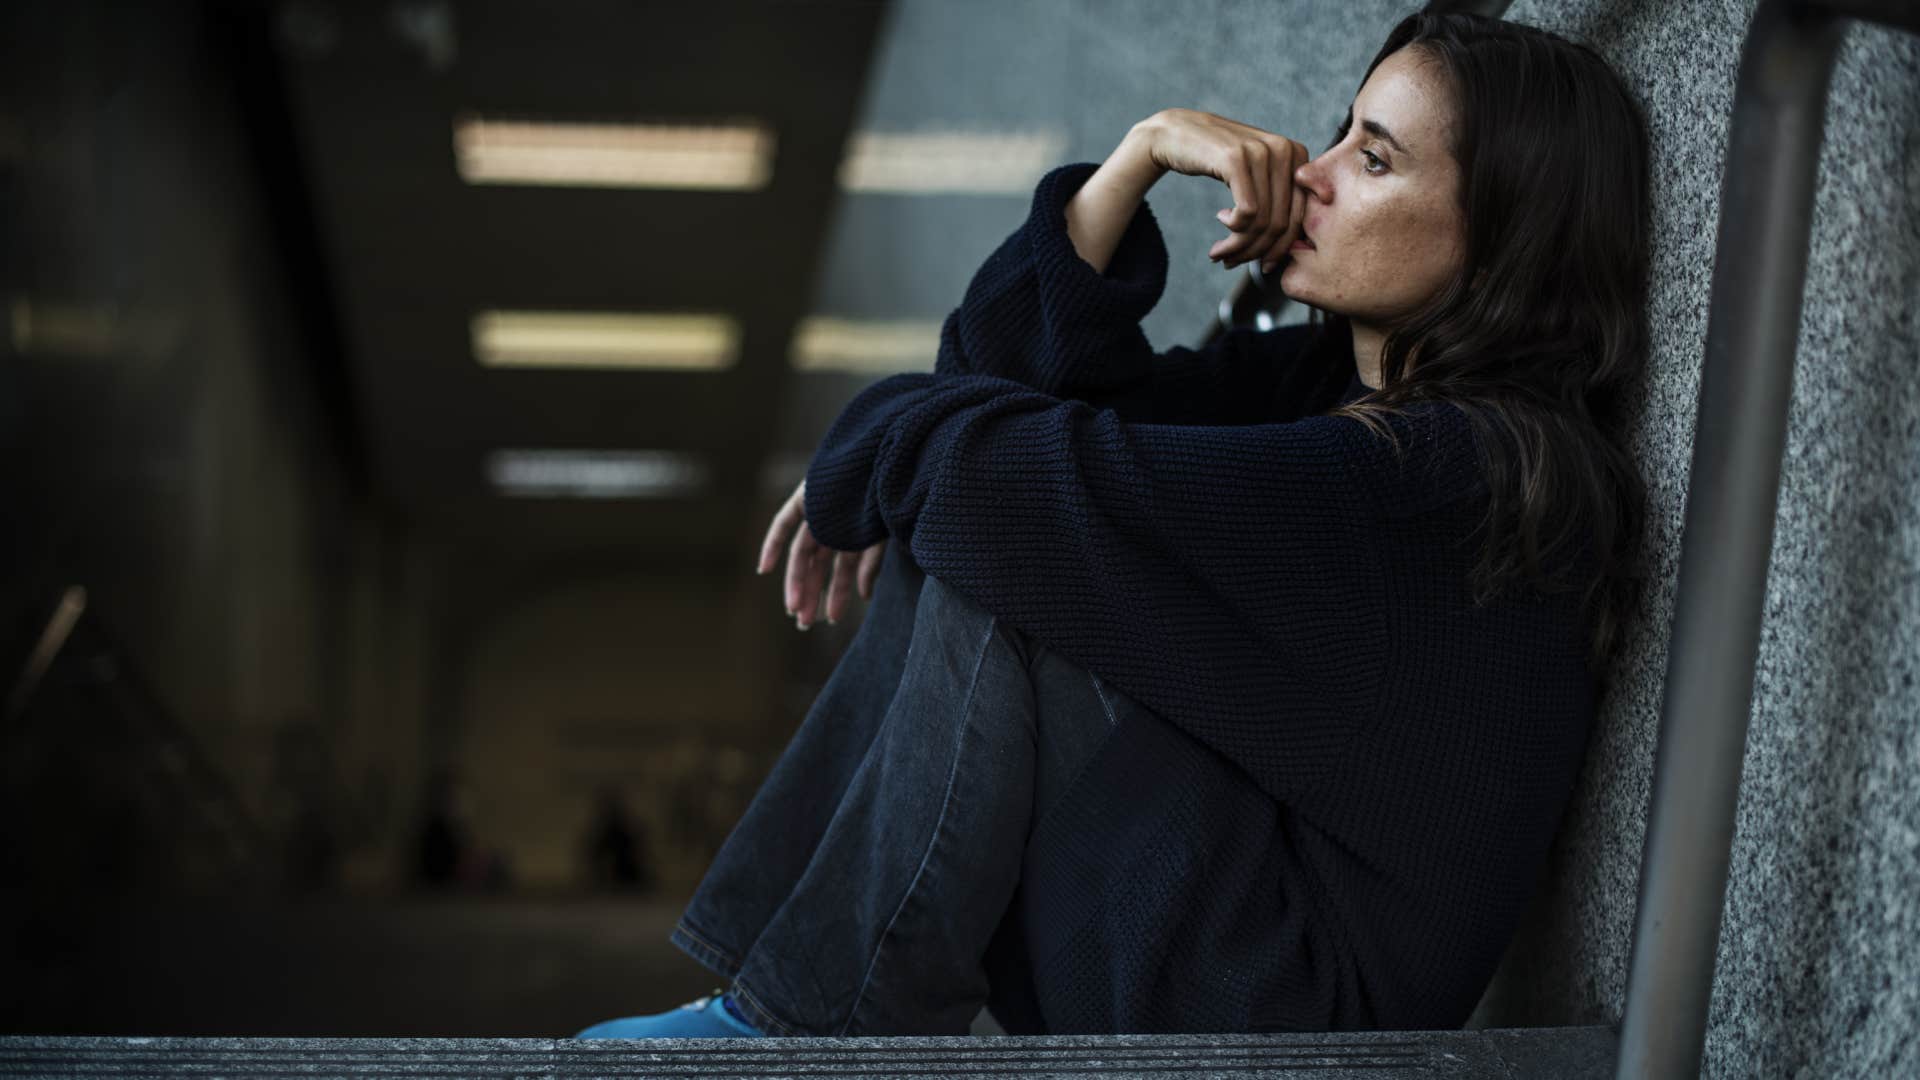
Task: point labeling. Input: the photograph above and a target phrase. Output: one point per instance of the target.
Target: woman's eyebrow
(1376, 128)
(1372, 127)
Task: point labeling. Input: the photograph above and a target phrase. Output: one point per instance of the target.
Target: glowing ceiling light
(824, 343)
(949, 162)
(736, 156)
(65, 329)
(53, 328)
(592, 339)
(594, 474)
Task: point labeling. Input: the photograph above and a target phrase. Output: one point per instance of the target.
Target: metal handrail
(53, 638)
(75, 633)
(1255, 299)
(1759, 275)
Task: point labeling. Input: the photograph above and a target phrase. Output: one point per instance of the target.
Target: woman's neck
(1367, 343)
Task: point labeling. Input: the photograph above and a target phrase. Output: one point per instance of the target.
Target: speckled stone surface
(1544, 1054)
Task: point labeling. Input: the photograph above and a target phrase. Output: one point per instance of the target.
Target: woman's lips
(1302, 244)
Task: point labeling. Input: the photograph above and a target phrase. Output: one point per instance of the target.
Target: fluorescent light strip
(587, 339)
(594, 474)
(735, 157)
(824, 343)
(92, 330)
(949, 162)
(50, 328)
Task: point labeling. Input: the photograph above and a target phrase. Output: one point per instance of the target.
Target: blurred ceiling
(414, 252)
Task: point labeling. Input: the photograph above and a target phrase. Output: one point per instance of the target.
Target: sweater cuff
(841, 510)
(1135, 277)
(838, 509)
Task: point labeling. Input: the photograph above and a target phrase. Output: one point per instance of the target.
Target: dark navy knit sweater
(1346, 790)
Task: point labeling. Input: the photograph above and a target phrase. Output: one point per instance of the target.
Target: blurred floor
(453, 966)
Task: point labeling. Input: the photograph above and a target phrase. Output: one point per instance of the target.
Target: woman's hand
(808, 561)
(1268, 210)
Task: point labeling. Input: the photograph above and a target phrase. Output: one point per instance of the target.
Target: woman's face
(1382, 212)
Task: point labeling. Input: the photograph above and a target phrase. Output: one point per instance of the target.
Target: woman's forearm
(1098, 213)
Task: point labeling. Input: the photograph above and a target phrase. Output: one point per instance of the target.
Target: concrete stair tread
(1569, 1053)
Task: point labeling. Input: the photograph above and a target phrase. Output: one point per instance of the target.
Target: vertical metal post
(1759, 273)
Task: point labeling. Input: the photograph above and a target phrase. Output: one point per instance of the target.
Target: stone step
(1571, 1053)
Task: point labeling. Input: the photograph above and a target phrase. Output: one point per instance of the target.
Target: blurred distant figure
(445, 839)
(616, 846)
(446, 853)
(306, 782)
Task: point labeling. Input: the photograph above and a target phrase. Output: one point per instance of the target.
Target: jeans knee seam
(1112, 720)
(946, 800)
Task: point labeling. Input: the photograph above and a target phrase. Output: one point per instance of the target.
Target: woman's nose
(1308, 176)
(1308, 173)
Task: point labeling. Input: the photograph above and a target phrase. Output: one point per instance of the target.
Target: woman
(1238, 689)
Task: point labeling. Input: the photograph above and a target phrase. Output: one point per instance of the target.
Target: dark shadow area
(288, 743)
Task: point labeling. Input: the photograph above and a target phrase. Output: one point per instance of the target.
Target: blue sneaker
(710, 1017)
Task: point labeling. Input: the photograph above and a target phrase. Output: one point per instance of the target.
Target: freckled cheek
(1378, 272)
(1398, 251)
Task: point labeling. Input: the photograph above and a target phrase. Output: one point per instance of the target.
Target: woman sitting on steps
(1237, 689)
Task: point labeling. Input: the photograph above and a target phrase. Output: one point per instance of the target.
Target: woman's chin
(1293, 284)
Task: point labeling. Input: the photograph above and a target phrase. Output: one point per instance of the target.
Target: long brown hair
(1540, 338)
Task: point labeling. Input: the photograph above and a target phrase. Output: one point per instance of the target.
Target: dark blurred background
(381, 649)
(393, 397)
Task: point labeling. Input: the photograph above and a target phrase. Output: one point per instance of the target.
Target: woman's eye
(1372, 160)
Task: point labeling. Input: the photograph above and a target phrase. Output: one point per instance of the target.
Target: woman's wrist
(1132, 161)
(1099, 213)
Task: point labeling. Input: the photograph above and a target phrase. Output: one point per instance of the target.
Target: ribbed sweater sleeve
(1037, 313)
(1168, 521)
(1220, 574)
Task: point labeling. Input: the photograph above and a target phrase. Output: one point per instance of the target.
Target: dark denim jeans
(868, 889)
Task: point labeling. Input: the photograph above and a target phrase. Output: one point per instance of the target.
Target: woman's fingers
(870, 568)
(1256, 166)
(806, 589)
(1256, 233)
(1268, 174)
(1297, 223)
(790, 514)
(1286, 195)
(1287, 210)
(840, 591)
(805, 569)
(1246, 207)
(1256, 154)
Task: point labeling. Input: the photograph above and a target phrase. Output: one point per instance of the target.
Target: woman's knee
(952, 612)
(945, 597)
